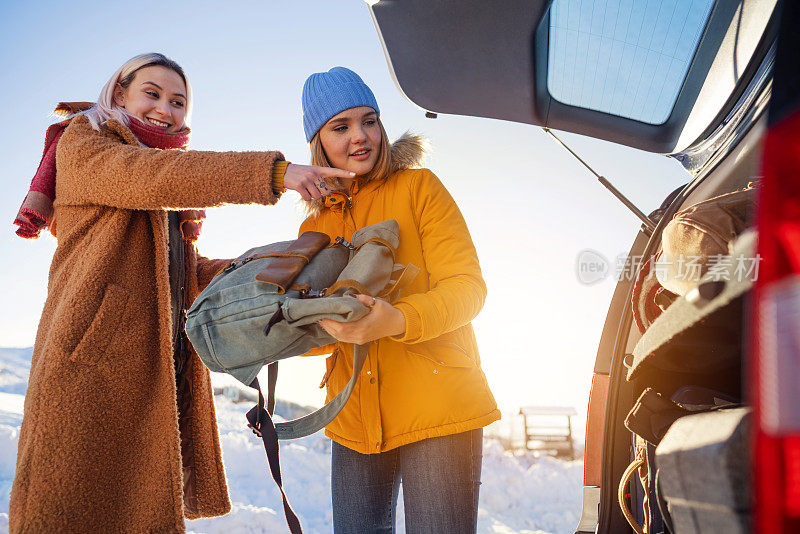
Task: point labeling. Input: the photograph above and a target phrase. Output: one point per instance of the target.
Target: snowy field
(520, 494)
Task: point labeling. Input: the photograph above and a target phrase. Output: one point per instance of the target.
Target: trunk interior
(707, 355)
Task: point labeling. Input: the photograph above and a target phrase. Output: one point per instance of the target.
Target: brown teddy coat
(100, 448)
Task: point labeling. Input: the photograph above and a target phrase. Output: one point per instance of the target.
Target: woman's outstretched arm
(95, 168)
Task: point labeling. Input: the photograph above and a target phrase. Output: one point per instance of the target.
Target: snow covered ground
(520, 494)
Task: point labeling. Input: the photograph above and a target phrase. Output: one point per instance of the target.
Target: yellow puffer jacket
(428, 382)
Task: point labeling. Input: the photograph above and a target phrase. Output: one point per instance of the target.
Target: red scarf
(36, 212)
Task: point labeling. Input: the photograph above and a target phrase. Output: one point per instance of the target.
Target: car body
(504, 61)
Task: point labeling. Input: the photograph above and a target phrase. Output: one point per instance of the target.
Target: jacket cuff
(413, 324)
(278, 171)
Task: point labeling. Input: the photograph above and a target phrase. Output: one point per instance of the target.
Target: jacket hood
(407, 151)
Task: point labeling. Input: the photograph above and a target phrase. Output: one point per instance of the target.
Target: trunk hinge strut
(648, 223)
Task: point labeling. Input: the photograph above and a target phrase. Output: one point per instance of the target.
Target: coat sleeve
(95, 168)
(457, 290)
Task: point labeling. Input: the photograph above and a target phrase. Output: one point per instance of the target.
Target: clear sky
(530, 206)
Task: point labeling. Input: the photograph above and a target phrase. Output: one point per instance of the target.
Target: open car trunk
(509, 61)
(572, 66)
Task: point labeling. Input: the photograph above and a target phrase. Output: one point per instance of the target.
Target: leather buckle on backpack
(344, 242)
(308, 293)
(235, 264)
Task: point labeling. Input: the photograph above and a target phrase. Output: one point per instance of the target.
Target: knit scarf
(36, 212)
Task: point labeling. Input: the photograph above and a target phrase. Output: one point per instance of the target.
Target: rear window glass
(624, 57)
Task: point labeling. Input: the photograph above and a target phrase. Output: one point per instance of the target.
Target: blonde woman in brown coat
(119, 432)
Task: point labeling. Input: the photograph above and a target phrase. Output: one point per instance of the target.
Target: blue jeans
(441, 480)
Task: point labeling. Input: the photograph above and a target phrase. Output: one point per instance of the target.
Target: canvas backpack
(264, 307)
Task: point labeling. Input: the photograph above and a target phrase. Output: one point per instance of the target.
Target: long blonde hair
(105, 108)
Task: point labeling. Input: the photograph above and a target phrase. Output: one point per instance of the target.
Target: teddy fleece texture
(428, 382)
(102, 446)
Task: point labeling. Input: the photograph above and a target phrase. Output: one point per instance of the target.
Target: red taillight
(595, 419)
(791, 456)
(775, 358)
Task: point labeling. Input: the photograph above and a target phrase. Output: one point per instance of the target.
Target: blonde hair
(105, 108)
(381, 170)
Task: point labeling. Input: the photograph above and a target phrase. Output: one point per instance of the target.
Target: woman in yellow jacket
(418, 410)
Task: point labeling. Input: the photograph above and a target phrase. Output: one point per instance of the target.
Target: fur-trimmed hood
(407, 151)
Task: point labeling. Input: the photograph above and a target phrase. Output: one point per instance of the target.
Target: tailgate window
(623, 57)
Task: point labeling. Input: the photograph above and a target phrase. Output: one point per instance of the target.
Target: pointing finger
(329, 172)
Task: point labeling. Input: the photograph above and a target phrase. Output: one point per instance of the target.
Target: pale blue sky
(530, 206)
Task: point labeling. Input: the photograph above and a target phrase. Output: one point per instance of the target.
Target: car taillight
(774, 365)
(776, 370)
(792, 458)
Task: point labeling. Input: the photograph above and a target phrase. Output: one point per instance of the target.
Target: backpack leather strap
(288, 264)
(348, 284)
(395, 291)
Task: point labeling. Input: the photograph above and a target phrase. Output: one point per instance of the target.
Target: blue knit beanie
(326, 94)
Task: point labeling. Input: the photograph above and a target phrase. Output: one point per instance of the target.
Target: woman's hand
(383, 320)
(312, 181)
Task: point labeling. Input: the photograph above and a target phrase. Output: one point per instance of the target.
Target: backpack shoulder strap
(260, 421)
(307, 425)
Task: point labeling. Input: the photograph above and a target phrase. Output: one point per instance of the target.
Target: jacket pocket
(106, 322)
(330, 365)
(442, 352)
